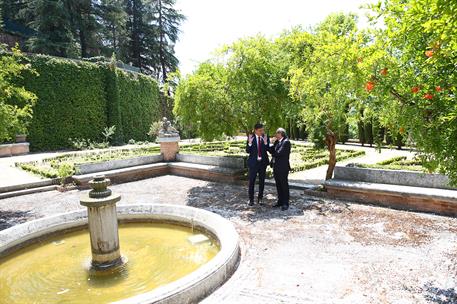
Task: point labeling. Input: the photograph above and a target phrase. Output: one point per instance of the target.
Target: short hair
(282, 131)
(258, 126)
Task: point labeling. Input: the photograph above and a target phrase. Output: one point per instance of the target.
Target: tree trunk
(330, 141)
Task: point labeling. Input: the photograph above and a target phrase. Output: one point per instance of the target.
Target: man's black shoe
(277, 205)
(284, 207)
(259, 201)
(251, 203)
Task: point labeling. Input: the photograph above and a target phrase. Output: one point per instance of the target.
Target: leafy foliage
(243, 85)
(16, 103)
(419, 92)
(78, 99)
(140, 104)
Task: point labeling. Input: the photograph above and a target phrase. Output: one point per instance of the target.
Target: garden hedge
(140, 103)
(77, 99)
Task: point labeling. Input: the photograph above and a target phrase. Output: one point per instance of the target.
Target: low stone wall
(393, 177)
(14, 149)
(219, 161)
(117, 164)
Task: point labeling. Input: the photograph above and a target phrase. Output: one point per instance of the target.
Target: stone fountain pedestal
(103, 226)
(169, 147)
(169, 141)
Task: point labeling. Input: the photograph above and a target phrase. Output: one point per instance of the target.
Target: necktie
(259, 151)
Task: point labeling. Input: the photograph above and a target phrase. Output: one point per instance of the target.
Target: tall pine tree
(51, 20)
(165, 21)
(112, 18)
(84, 26)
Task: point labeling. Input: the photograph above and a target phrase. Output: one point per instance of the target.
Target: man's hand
(250, 139)
(265, 139)
(273, 140)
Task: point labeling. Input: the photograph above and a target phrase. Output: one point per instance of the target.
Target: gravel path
(319, 251)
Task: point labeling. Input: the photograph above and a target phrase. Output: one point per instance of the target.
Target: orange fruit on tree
(383, 72)
(415, 89)
(401, 130)
(369, 86)
(428, 96)
(429, 53)
(438, 88)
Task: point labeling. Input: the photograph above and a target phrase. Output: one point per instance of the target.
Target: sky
(213, 23)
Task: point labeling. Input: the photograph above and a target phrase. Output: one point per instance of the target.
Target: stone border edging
(42, 183)
(14, 149)
(221, 161)
(88, 168)
(393, 177)
(190, 288)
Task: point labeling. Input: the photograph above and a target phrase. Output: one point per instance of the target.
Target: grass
(302, 157)
(397, 163)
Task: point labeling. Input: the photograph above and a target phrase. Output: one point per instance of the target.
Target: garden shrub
(78, 99)
(71, 102)
(139, 103)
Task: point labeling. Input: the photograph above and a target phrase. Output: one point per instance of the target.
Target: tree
(420, 37)
(166, 21)
(51, 20)
(112, 20)
(331, 80)
(243, 85)
(16, 103)
(84, 25)
(202, 102)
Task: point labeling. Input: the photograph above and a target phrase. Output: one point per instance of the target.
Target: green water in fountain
(56, 269)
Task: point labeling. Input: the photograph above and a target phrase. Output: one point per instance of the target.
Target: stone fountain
(103, 227)
(177, 254)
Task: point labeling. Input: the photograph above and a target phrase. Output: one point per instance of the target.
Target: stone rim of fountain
(188, 289)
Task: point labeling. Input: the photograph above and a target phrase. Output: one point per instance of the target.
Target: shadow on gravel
(230, 200)
(11, 218)
(440, 296)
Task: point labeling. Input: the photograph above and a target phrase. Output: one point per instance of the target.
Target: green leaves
(16, 102)
(243, 85)
(420, 38)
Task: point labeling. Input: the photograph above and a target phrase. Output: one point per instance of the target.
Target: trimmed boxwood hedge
(139, 106)
(77, 99)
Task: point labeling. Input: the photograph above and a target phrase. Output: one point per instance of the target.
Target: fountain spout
(103, 227)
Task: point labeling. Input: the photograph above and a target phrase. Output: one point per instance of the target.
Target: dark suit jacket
(281, 153)
(252, 150)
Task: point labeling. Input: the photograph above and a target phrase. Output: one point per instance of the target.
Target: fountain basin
(187, 289)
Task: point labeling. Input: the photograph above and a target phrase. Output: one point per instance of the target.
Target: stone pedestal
(169, 147)
(103, 228)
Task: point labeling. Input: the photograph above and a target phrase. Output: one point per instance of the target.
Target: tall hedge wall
(77, 99)
(139, 103)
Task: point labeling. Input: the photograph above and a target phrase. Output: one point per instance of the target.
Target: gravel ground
(319, 251)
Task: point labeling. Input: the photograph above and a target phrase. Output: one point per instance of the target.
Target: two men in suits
(257, 146)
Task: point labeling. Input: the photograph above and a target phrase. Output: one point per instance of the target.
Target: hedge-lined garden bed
(64, 165)
(396, 163)
(78, 99)
(302, 157)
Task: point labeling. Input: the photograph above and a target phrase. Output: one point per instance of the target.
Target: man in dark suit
(281, 167)
(257, 146)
